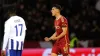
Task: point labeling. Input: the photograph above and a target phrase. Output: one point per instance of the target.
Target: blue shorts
(14, 53)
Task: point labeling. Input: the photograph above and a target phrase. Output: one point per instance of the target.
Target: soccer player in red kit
(61, 45)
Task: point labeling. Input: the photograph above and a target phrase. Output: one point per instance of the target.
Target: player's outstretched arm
(53, 36)
(48, 39)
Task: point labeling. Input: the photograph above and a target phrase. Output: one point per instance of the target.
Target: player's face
(54, 11)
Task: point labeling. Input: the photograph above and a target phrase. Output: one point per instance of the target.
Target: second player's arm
(6, 35)
(5, 39)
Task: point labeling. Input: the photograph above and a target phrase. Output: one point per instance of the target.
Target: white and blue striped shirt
(15, 30)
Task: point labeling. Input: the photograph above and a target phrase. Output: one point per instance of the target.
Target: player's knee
(53, 54)
(66, 55)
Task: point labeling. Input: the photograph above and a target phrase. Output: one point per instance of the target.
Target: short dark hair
(57, 6)
(12, 10)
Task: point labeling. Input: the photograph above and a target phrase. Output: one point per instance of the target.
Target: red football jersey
(61, 22)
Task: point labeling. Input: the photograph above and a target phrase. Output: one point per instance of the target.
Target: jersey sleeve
(6, 35)
(7, 27)
(24, 25)
(64, 22)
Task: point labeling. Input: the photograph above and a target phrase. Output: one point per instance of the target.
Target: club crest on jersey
(57, 27)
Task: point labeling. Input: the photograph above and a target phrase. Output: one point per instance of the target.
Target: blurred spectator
(84, 43)
(82, 16)
(20, 11)
(98, 5)
(74, 41)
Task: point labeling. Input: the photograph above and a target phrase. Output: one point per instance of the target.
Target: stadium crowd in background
(82, 16)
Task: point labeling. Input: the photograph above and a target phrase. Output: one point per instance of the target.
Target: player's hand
(46, 39)
(68, 55)
(3, 53)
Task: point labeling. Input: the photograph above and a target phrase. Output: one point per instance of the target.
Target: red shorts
(61, 49)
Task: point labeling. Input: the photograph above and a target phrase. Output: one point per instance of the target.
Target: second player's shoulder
(20, 18)
(8, 21)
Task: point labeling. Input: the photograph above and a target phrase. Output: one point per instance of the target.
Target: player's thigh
(19, 52)
(10, 53)
(65, 51)
(54, 54)
(55, 50)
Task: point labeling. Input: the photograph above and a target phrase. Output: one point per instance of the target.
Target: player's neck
(12, 15)
(58, 16)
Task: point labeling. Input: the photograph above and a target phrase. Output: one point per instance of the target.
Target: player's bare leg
(66, 55)
(54, 54)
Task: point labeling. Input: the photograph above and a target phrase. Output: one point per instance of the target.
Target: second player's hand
(3, 53)
(46, 39)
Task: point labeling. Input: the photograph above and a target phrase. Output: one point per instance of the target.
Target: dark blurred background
(83, 17)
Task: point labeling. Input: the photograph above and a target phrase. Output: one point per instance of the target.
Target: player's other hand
(46, 39)
(3, 53)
